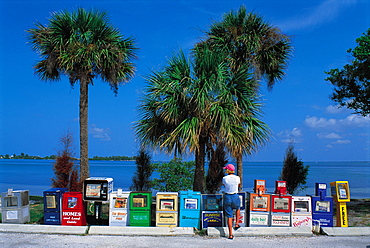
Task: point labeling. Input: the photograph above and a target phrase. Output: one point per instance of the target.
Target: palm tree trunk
(198, 184)
(239, 164)
(84, 156)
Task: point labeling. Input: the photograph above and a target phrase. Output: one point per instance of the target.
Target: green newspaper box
(140, 208)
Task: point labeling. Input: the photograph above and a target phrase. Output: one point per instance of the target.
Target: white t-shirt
(231, 183)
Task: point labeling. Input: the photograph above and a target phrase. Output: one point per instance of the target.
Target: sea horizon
(40, 171)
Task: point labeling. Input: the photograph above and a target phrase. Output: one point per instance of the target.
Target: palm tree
(82, 45)
(194, 104)
(254, 43)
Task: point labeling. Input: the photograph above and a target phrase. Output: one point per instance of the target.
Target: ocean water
(35, 175)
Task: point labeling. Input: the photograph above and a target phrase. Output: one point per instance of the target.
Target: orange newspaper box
(73, 209)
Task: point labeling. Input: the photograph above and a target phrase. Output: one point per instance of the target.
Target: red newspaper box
(73, 209)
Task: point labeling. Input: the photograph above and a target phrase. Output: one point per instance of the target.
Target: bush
(294, 172)
(174, 176)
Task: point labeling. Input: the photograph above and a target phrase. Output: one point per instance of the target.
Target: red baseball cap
(230, 167)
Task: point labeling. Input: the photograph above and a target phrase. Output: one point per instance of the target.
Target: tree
(352, 83)
(215, 169)
(294, 172)
(195, 103)
(141, 180)
(82, 45)
(256, 44)
(175, 175)
(66, 173)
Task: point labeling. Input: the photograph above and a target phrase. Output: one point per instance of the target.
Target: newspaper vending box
(322, 207)
(341, 195)
(119, 208)
(167, 209)
(53, 206)
(15, 206)
(73, 209)
(212, 210)
(258, 207)
(280, 206)
(301, 211)
(140, 203)
(189, 213)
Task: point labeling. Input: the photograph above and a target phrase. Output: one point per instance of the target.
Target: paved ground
(13, 240)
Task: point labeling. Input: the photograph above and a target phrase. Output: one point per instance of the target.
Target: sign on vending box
(261, 220)
(280, 220)
(300, 221)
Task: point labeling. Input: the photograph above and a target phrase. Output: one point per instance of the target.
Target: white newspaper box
(118, 208)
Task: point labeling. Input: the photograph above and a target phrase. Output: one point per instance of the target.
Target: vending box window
(190, 211)
(15, 206)
(53, 205)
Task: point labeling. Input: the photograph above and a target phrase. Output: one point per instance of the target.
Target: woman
(231, 198)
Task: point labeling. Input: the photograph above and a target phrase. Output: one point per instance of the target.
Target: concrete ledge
(141, 231)
(346, 231)
(49, 229)
(261, 231)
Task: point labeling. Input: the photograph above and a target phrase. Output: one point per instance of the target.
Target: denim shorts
(231, 202)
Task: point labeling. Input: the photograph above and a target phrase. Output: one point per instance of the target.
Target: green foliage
(294, 172)
(175, 175)
(352, 83)
(114, 158)
(141, 179)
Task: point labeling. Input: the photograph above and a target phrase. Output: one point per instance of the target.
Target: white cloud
(325, 12)
(329, 136)
(353, 121)
(100, 133)
(331, 109)
(342, 142)
(288, 135)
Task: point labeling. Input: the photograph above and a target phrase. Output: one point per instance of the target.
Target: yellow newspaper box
(341, 195)
(167, 209)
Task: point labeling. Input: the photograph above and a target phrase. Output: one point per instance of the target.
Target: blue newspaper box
(189, 214)
(322, 206)
(212, 210)
(53, 206)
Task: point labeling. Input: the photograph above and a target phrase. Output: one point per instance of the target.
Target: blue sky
(35, 114)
